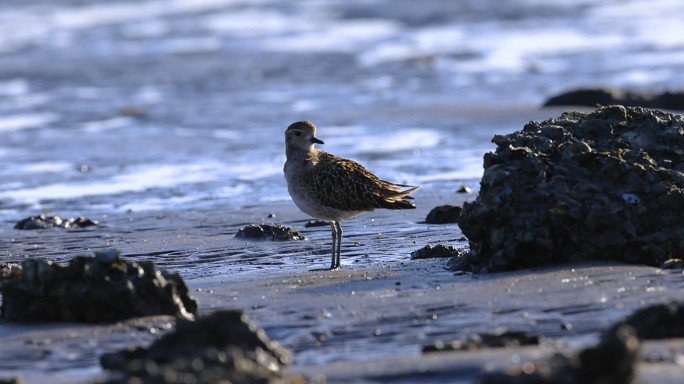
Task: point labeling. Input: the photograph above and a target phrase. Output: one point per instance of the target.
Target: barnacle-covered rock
(224, 346)
(603, 185)
(93, 289)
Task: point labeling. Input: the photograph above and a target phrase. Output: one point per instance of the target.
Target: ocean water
(119, 106)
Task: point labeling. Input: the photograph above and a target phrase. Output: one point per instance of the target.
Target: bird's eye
(297, 133)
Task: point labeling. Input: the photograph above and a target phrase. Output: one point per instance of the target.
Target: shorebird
(333, 189)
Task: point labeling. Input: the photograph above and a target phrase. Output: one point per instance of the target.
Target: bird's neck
(297, 153)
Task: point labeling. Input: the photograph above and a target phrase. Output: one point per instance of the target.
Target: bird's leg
(339, 241)
(334, 239)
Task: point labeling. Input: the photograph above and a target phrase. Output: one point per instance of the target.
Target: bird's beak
(316, 141)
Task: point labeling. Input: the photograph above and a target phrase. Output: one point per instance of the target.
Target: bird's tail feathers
(394, 198)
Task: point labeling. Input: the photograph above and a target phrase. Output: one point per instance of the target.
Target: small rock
(613, 360)
(439, 250)
(444, 214)
(660, 321)
(12, 380)
(221, 347)
(81, 222)
(44, 222)
(673, 264)
(464, 189)
(108, 255)
(37, 222)
(275, 232)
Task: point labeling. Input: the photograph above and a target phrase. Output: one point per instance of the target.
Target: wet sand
(369, 324)
(364, 323)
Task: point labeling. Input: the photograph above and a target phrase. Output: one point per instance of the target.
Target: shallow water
(164, 121)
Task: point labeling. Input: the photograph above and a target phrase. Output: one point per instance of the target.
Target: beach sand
(366, 322)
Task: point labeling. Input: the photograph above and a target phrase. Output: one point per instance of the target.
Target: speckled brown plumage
(344, 184)
(331, 188)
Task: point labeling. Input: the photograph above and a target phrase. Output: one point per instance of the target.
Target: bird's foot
(325, 269)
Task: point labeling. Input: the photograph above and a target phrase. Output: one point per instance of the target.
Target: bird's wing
(347, 185)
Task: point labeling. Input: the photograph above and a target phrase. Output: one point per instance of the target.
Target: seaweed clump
(224, 346)
(95, 289)
(583, 186)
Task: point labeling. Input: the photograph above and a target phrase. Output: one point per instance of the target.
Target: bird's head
(301, 135)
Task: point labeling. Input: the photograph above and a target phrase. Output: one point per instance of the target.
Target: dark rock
(43, 222)
(673, 264)
(602, 185)
(11, 380)
(610, 96)
(106, 256)
(443, 214)
(81, 222)
(93, 289)
(464, 189)
(661, 321)
(612, 361)
(316, 223)
(439, 250)
(498, 339)
(38, 222)
(221, 347)
(275, 232)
